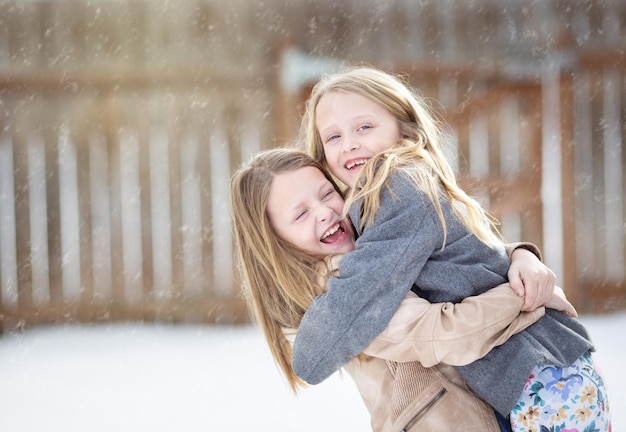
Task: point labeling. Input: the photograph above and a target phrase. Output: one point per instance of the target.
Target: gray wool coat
(401, 250)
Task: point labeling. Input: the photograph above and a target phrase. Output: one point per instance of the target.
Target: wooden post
(568, 191)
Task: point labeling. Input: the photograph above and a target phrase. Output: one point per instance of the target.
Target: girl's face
(304, 209)
(353, 129)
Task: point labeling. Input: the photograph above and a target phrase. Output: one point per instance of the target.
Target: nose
(350, 143)
(323, 213)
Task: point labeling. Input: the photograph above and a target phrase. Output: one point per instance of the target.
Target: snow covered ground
(134, 377)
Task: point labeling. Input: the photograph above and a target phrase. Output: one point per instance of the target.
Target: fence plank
(85, 226)
(8, 255)
(22, 217)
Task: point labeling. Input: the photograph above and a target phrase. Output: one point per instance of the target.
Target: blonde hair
(279, 280)
(419, 154)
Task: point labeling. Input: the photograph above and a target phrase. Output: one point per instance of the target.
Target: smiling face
(353, 129)
(305, 209)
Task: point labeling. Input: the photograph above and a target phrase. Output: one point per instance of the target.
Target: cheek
(332, 155)
(303, 235)
(284, 234)
(332, 163)
(327, 154)
(337, 205)
(388, 144)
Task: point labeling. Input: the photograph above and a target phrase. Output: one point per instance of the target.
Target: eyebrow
(320, 190)
(326, 131)
(359, 118)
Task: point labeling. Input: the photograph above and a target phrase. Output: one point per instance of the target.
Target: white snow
(146, 377)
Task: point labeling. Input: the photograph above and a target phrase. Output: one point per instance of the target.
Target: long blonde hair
(420, 153)
(279, 280)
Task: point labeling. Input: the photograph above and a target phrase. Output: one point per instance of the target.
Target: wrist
(530, 247)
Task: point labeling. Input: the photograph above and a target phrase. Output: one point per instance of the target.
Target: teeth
(355, 163)
(331, 231)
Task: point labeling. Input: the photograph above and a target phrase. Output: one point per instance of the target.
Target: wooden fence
(121, 121)
(121, 206)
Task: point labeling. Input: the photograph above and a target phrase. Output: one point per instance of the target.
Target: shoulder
(401, 193)
(402, 179)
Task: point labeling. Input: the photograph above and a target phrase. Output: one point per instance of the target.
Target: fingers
(517, 285)
(540, 290)
(569, 308)
(571, 311)
(547, 288)
(530, 301)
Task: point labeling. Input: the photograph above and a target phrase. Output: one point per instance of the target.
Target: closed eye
(329, 194)
(300, 215)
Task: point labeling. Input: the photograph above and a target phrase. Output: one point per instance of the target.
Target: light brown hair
(279, 280)
(419, 153)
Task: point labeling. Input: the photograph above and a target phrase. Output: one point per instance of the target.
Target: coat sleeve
(456, 334)
(373, 281)
(511, 247)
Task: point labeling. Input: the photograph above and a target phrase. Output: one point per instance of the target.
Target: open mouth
(335, 233)
(354, 163)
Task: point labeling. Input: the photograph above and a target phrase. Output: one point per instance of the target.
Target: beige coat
(401, 394)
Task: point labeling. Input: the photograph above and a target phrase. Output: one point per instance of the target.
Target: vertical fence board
(37, 220)
(145, 270)
(100, 216)
(568, 187)
(8, 261)
(85, 227)
(206, 186)
(117, 258)
(176, 222)
(583, 155)
(53, 201)
(22, 217)
(614, 215)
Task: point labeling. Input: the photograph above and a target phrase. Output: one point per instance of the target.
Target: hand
(529, 277)
(559, 302)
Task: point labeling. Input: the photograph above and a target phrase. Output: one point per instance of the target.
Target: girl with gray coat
(418, 231)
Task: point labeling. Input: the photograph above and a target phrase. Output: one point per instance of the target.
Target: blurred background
(122, 120)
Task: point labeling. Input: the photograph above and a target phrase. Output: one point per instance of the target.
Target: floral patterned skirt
(571, 399)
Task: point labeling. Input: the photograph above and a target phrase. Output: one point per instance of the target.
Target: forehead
(336, 105)
(290, 188)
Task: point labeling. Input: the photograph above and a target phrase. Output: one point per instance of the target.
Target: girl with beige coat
(290, 236)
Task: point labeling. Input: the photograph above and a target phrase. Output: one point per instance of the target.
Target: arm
(456, 334)
(359, 304)
(461, 333)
